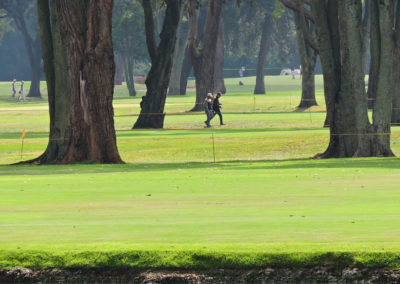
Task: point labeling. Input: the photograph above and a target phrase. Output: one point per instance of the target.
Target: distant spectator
(21, 92)
(13, 88)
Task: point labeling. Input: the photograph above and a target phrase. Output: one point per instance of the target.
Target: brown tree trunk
(89, 49)
(351, 133)
(396, 69)
(152, 113)
(382, 113)
(262, 55)
(185, 73)
(129, 63)
(219, 82)
(57, 77)
(119, 70)
(308, 57)
(179, 55)
(203, 60)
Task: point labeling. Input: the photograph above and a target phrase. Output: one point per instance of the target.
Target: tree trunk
(57, 77)
(382, 114)
(179, 55)
(219, 82)
(308, 57)
(129, 64)
(185, 73)
(119, 70)
(371, 93)
(351, 134)
(36, 71)
(396, 69)
(90, 57)
(152, 113)
(262, 55)
(203, 60)
(366, 25)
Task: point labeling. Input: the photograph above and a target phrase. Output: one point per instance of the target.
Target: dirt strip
(266, 275)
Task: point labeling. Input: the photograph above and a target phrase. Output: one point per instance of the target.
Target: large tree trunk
(129, 63)
(262, 55)
(185, 73)
(366, 25)
(219, 82)
(203, 60)
(90, 56)
(57, 77)
(119, 70)
(351, 133)
(308, 57)
(382, 114)
(396, 69)
(36, 72)
(179, 56)
(152, 113)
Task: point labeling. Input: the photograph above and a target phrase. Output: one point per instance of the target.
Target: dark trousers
(220, 117)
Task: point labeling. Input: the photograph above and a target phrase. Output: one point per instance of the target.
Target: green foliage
(128, 29)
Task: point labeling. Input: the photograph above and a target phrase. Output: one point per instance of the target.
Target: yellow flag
(23, 134)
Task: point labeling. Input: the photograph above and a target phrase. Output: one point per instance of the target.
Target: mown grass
(263, 203)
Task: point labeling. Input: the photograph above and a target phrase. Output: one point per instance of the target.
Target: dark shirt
(216, 105)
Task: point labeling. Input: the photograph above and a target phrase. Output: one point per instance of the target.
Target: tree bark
(90, 55)
(57, 77)
(152, 113)
(366, 26)
(219, 82)
(396, 68)
(129, 64)
(351, 134)
(119, 70)
(382, 113)
(185, 73)
(308, 57)
(179, 56)
(262, 55)
(203, 60)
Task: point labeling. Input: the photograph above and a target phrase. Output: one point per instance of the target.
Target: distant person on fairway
(21, 92)
(208, 108)
(13, 88)
(241, 74)
(217, 108)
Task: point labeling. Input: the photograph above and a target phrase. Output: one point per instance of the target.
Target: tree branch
(292, 5)
(150, 33)
(304, 26)
(193, 15)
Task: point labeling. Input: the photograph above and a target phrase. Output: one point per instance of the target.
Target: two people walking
(21, 90)
(212, 107)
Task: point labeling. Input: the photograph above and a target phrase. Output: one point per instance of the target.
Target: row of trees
(341, 28)
(77, 45)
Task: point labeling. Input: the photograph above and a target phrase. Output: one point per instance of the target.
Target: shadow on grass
(293, 164)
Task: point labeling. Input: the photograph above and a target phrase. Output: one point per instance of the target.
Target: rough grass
(263, 203)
